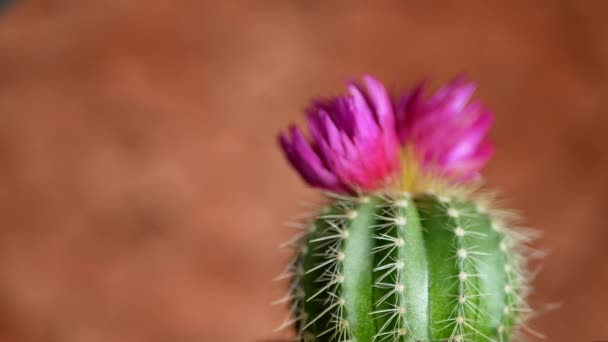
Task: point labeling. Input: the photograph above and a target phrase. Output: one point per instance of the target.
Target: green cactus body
(396, 267)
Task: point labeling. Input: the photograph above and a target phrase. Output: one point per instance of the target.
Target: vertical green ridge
(469, 308)
(490, 270)
(454, 255)
(399, 271)
(401, 309)
(415, 275)
(442, 266)
(387, 278)
(468, 256)
(514, 275)
(357, 289)
(320, 263)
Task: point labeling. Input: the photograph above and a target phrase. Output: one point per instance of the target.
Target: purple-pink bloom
(447, 132)
(353, 141)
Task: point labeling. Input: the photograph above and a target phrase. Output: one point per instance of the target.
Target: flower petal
(469, 168)
(365, 124)
(354, 141)
(381, 103)
(306, 161)
(466, 142)
(448, 133)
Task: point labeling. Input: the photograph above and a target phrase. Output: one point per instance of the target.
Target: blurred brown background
(141, 192)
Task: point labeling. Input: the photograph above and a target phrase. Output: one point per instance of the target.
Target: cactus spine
(397, 267)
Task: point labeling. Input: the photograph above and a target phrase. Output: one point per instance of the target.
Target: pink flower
(447, 132)
(354, 143)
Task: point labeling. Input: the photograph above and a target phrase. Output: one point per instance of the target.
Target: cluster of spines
(389, 253)
(466, 259)
(324, 240)
(330, 248)
(294, 271)
(517, 252)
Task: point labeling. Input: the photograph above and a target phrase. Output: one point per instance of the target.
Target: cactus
(407, 249)
(401, 267)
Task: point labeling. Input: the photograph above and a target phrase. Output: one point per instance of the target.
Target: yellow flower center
(418, 179)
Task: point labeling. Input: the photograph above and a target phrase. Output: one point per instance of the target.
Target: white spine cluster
(515, 247)
(330, 247)
(390, 268)
(294, 271)
(466, 257)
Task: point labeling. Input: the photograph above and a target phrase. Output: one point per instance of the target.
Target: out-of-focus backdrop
(141, 192)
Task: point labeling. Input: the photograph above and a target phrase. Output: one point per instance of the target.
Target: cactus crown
(418, 258)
